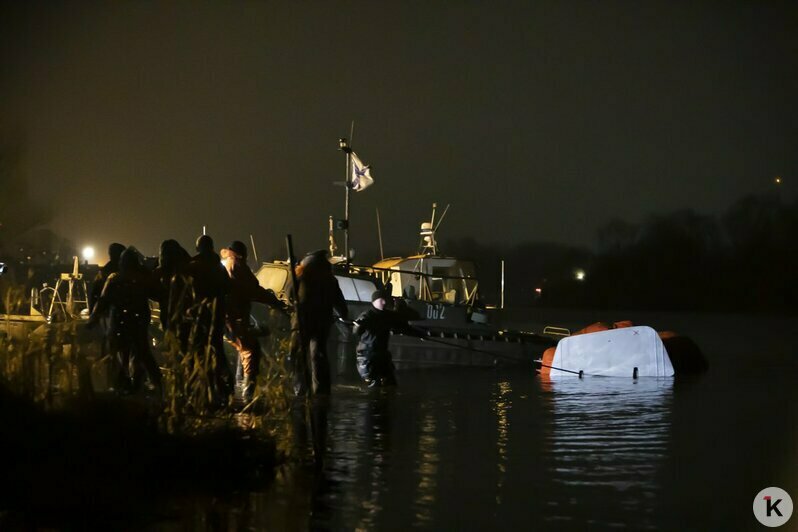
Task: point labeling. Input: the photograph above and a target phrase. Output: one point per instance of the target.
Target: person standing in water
(374, 328)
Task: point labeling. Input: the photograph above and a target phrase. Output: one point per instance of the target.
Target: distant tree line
(20, 212)
(743, 260)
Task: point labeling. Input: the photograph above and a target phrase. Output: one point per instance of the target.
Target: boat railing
(556, 331)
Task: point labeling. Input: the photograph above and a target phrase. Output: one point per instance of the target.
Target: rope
(435, 341)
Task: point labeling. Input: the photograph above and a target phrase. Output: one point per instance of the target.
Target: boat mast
(343, 145)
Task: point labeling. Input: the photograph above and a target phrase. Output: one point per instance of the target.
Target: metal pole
(379, 233)
(289, 244)
(254, 251)
(346, 204)
(331, 237)
(348, 186)
(502, 303)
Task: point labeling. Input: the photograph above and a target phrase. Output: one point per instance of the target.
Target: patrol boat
(440, 297)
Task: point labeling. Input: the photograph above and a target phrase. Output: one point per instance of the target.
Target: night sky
(534, 120)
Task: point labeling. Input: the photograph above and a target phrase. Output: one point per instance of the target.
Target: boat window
(364, 289)
(273, 278)
(451, 287)
(347, 286)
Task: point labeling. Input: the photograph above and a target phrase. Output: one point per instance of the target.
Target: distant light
(539, 290)
(88, 253)
(778, 180)
(579, 275)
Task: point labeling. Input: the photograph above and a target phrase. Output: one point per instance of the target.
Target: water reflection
(426, 466)
(358, 460)
(607, 440)
(501, 407)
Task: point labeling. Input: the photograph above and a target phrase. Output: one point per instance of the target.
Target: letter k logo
(772, 506)
(777, 507)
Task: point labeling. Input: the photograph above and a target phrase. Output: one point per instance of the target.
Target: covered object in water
(613, 353)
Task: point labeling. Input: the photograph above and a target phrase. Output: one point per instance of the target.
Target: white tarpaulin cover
(613, 353)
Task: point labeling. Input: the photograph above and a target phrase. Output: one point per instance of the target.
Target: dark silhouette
(126, 298)
(172, 290)
(319, 294)
(211, 286)
(115, 251)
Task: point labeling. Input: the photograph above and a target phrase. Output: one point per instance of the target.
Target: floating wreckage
(622, 350)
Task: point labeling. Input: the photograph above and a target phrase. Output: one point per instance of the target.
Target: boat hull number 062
(435, 312)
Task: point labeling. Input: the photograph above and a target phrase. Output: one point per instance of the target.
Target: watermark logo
(772, 507)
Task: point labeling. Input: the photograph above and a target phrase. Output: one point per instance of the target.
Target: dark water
(472, 449)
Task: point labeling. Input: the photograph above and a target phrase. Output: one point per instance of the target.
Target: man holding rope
(374, 327)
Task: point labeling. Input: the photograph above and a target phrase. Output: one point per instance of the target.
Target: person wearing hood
(244, 289)
(319, 295)
(211, 285)
(125, 298)
(171, 289)
(374, 328)
(112, 266)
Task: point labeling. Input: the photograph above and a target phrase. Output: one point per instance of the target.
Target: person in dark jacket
(171, 290)
(211, 285)
(125, 299)
(244, 289)
(319, 295)
(95, 290)
(112, 266)
(374, 328)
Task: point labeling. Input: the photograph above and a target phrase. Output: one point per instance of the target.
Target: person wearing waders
(125, 298)
(374, 328)
(244, 289)
(319, 295)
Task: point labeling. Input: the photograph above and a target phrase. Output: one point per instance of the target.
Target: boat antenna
(442, 216)
(254, 249)
(379, 233)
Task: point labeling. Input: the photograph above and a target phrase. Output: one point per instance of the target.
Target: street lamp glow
(579, 275)
(88, 253)
(778, 180)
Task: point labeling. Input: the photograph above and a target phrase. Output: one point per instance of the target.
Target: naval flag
(361, 174)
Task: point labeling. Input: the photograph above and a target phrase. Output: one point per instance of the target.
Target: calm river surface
(475, 449)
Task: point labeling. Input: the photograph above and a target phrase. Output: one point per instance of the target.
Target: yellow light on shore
(778, 180)
(88, 253)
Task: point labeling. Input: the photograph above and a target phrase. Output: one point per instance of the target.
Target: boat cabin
(356, 288)
(430, 278)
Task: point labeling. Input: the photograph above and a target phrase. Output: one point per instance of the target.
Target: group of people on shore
(206, 299)
(203, 299)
